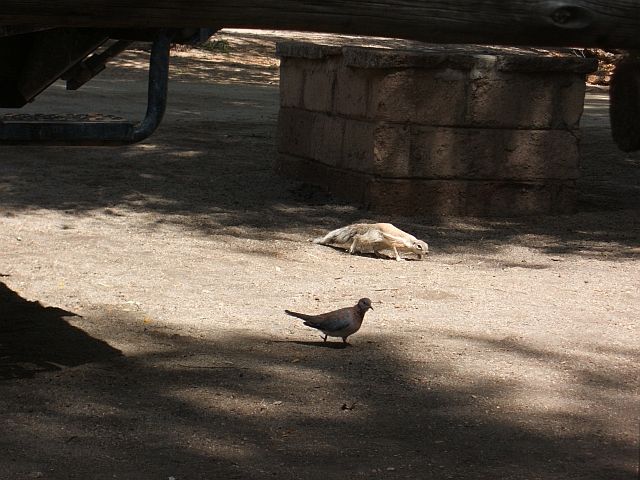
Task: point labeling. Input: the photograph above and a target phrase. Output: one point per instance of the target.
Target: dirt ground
(142, 289)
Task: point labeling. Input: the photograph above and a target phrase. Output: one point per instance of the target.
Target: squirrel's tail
(341, 235)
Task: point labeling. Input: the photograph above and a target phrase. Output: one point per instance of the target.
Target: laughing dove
(339, 323)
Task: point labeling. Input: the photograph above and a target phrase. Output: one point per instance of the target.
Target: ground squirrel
(378, 236)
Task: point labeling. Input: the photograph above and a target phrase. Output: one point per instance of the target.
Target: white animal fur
(376, 235)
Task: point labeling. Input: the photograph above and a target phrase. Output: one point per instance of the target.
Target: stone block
(538, 155)
(410, 197)
(545, 64)
(481, 154)
(433, 132)
(384, 59)
(407, 197)
(380, 149)
(351, 92)
(293, 135)
(327, 136)
(306, 50)
(358, 146)
(571, 104)
(427, 97)
(520, 198)
(392, 150)
(318, 90)
(470, 198)
(515, 100)
(291, 83)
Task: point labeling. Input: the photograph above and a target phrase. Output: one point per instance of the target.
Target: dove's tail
(299, 315)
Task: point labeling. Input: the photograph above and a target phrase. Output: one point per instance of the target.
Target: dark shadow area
(610, 179)
(328, 344)
(36, 339)
(243, 406)
(617, 381)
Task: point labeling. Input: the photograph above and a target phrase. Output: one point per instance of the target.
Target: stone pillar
(414, 133)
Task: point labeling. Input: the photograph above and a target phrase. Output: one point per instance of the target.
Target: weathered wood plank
(579, 23)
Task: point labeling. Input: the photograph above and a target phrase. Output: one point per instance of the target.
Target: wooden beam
(571, 23)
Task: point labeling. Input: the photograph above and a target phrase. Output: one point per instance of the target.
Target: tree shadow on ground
(36, 339)
(239, 405)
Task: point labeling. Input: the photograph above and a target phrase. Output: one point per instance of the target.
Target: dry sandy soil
(142, 289)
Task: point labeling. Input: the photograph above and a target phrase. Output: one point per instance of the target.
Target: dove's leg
(344, 340)
(325, 338)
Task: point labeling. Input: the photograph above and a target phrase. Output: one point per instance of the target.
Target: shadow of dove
(339, 323)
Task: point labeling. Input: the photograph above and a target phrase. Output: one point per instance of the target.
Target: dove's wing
(333, 321)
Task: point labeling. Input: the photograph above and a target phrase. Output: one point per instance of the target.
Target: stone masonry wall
(413, 133)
